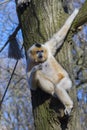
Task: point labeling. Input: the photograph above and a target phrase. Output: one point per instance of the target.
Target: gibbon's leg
(44, 83)
(63, 96)
(67, 83)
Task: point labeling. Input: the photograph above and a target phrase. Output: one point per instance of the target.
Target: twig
(8, 83)
(4, 46)
(6, 1)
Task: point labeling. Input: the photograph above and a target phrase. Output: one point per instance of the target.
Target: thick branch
(82, 17)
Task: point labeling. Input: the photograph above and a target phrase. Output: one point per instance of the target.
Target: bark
(39, 21)
(82, 17)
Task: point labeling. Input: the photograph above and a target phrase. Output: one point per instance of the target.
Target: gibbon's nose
(40, 56)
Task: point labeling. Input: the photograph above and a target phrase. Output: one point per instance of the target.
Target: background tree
(15, 109)
(39, 21)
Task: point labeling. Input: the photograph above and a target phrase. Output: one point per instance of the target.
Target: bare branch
(82, 16)
(8, 83)
(6, 1)
(10, 70)
(4, 46)
(82, 82)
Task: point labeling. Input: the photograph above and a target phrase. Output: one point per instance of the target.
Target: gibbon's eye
(42, 51)
(37, 52)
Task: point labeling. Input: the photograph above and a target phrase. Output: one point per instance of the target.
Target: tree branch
(81, 18)
(8, 84)
(9, 81)
(12, 36)
(6, 1)
(4, 46)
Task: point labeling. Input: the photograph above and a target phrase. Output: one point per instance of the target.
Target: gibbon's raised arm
(58, 38)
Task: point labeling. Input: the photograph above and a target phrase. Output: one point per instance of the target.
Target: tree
(39, 21)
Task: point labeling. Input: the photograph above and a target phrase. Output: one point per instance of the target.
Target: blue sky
(8, 22)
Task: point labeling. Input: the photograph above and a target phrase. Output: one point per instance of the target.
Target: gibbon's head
(38, 53)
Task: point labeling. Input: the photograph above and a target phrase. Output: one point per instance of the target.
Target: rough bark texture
(40, 20)
(82, 17)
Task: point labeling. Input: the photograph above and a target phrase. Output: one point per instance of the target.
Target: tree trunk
(40, 20)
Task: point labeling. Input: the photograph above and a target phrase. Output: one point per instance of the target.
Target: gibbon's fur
(44, 71)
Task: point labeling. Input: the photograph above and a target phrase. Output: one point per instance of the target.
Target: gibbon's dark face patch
(38, 54)
(38, 45)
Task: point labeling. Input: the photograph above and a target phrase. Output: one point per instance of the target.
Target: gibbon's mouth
(40, 60)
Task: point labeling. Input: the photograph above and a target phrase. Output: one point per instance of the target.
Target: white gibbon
(44, 71)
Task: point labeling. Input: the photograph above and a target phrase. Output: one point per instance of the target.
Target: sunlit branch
(6, 1)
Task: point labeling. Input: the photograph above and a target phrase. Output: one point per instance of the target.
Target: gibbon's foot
(67, 110)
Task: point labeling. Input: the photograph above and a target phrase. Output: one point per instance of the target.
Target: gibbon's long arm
(58, 38)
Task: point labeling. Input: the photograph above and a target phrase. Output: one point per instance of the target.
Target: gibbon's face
(38, 53)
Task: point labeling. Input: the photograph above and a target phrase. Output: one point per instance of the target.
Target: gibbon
(44, 71)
